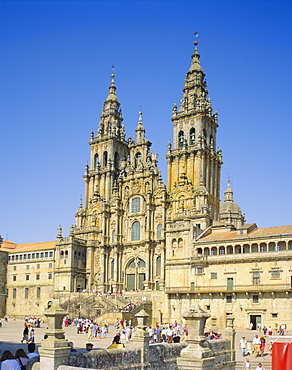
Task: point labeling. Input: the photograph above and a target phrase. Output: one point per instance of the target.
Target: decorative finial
(140, 115)
(80, 205)
(196, 34)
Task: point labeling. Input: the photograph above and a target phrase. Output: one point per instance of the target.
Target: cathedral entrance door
(131, 282)
(142, 277)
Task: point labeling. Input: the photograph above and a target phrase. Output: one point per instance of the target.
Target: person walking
(25, 334)
(262, 346)
(256, 345)
(242, 345)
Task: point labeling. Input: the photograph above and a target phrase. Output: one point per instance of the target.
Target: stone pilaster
(229, 333)
(196, 356)
(54, 350)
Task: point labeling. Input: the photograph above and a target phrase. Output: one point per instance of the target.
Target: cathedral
(175, 243)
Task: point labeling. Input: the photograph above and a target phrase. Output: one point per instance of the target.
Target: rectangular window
(38, 266)
(255, 299)
(50, 276)
(256, 278)
(26, 277)
(192, 286)
(199, 270)
(274, 315)
(50, 265)
(12, 258)
(16, 257)
(29, 256)
(20, 256)
(37, 255)
(37, 277)
(26, 293)
(46, 254)
(27, 267)
(229, 284)
(65, 261)
(14, 268)
(51, 254)
(14, 277)
(33, 255)
(229, 299)
(275, 274)
(213, 275)
(42, 255)
(24, 256)
(38, 292)
(14, 293)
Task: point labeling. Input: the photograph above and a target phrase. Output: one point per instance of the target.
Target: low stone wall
(161, 356)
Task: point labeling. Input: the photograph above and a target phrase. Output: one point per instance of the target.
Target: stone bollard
(142, 338)
(229, 333)
(196, 356)
(54, 350)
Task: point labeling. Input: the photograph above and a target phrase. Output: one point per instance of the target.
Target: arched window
(138, 155)
(136, 231)
(132, 264)
(135, 205)
(96, 161)
(104, 159)
(159, 228)
(117, 161)
(192, 136)
(174, 243)
(141, 263)
(181, 139)
(113, 236)
(158, 266)
(180, 243)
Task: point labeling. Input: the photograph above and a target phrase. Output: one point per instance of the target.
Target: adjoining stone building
(174, 242)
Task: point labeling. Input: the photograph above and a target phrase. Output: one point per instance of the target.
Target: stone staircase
(266, 362)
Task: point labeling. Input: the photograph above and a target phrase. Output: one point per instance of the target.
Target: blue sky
(55, 67)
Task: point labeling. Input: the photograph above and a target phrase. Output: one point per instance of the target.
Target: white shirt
(32, 354)
(10, 365)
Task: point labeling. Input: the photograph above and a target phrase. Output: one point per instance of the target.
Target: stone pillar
(229, 333)
(195, 356)
(54, 350)
(141, 338)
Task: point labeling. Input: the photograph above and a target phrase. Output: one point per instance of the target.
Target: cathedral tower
(193, 163)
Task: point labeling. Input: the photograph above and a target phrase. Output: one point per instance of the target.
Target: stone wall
(162, 356)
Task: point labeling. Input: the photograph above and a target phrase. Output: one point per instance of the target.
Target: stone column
(229, 333)
(195, 356)
(54, 350)
(141, 338)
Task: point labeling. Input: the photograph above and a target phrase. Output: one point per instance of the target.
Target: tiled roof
(19, 248)
(258, 233)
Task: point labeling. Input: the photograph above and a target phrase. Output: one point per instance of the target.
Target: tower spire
(111, 117)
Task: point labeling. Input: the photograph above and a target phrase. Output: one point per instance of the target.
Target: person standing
(246, 365)
(8, 361)
(21, 357)
(260, 367)
(169, 334)
(242, 345)
(262, 346)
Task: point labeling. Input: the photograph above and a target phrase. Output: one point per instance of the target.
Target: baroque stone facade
(174, 242)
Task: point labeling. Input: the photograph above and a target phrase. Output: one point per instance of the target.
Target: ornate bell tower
(193, 163)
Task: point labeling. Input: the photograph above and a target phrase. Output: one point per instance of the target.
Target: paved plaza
(11, 335)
